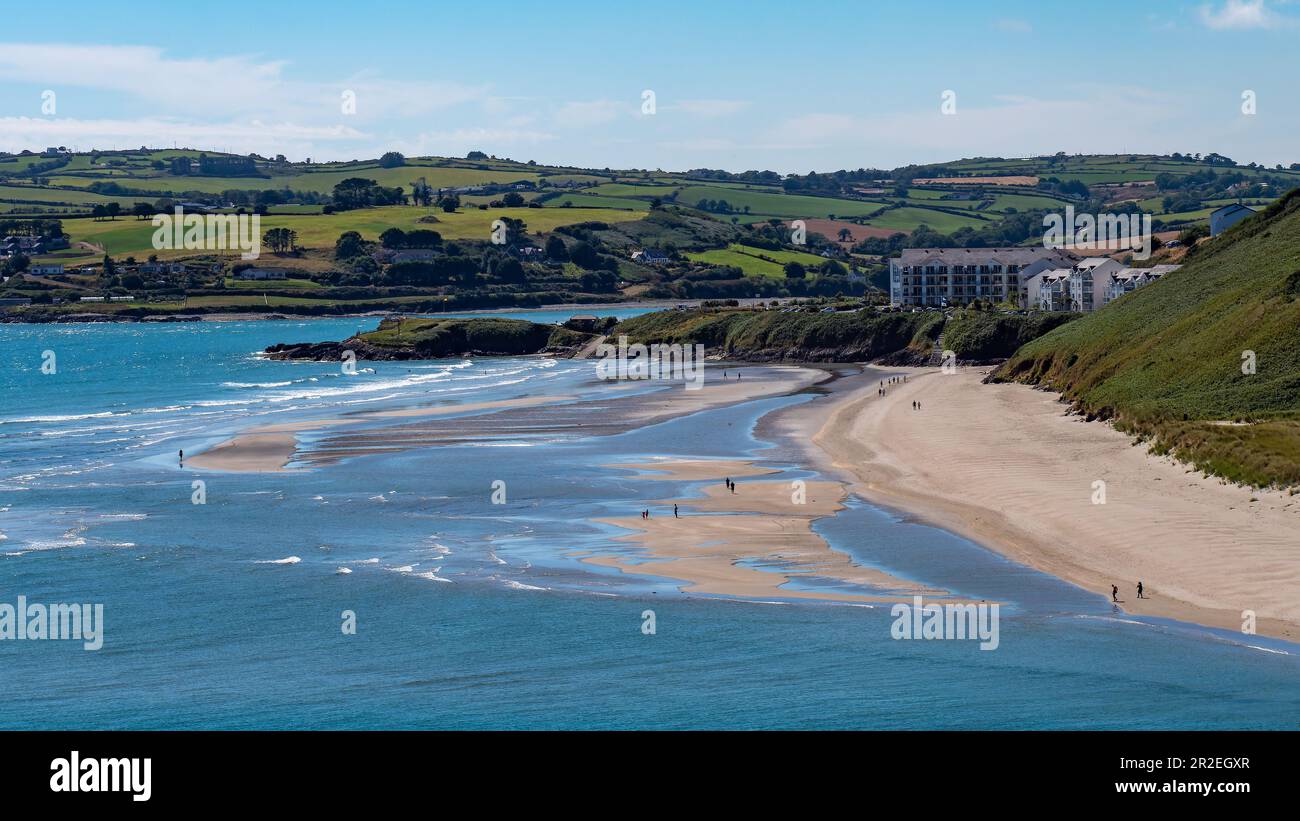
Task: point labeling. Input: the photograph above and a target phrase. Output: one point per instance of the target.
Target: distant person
(675, 516)
(181, 456)
(1114, 593)
(1140, 596)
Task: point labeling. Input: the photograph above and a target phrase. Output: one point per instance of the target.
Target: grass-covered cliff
(437, 338)
(1170, 362)
(792, 336)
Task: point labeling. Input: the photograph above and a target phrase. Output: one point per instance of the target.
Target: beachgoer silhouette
(675, 516)
(1140, 596)
(1114, 593)
(181, 454)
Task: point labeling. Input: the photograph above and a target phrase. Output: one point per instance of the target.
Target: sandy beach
(722, 537)
(1004, 465)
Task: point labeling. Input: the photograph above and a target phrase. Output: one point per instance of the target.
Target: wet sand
(751, 543)
(1005, 466)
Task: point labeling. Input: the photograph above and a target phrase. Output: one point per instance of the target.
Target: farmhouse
(52, 269)
(413, 255)
(260, 273)
(650, 256)
(958, 276)
(162, 268)
(1222, 219)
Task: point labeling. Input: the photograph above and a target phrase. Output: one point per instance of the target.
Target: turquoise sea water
(474, 615)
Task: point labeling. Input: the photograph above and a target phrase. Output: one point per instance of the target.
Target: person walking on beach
(1114, 593)
(733, 487)
(181, 457)
(1140, 596)
(675, 516)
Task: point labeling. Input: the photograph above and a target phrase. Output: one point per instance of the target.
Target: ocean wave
(72, 417)
(514, 585)
(343, 571)
(429, 574)
(285, 560)
(1267, 649)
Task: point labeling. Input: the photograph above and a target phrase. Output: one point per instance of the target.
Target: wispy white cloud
(1242, 14)
(224, 87)
(17, 133)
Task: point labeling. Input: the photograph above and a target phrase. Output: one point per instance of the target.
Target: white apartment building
(959, 276)
(1049, 290)
(1088, 281)
(1130, 279)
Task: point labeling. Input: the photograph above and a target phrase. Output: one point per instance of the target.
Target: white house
(46, 270)
(1088, 281)
(1049, 290)
(260, 273)
(1130, 279)
(1221, 219)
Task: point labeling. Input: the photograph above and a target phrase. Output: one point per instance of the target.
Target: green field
(751, 261)
(128, 236)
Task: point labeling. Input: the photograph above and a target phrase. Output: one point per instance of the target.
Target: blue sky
(738, 85)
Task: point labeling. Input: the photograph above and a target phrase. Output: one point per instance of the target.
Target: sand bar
(751, 543)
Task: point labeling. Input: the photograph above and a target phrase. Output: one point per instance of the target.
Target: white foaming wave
(343, 571)
(284, 384)
(72, 417)
(364, 561)
(499, 444)
(429, 574)
(1114, 619)
(1267, 649)
(285, 560)
(123, 517)
(44, 544)
(406, 568)
(514, 585)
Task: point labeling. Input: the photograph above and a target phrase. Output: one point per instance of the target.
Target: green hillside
(786, 335)
(1166, 361)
